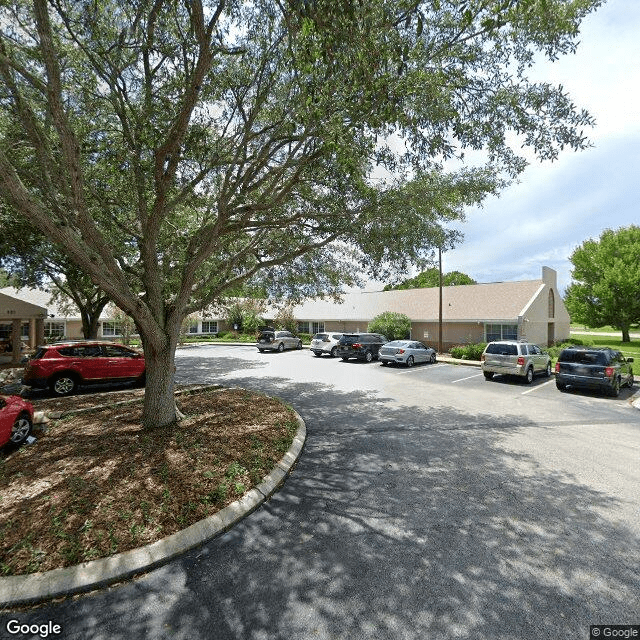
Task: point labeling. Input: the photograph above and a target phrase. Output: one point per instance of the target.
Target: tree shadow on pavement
(396, 523)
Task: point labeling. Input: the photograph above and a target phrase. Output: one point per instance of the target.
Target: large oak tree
(175, 149)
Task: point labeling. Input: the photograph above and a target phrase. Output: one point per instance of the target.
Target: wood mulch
(96, 483)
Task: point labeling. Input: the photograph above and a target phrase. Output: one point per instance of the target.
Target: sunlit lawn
(631, 349)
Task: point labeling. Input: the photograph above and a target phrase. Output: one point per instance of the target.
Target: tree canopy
(606, 286)
(174, 150)
(431, 278)
(394, 326)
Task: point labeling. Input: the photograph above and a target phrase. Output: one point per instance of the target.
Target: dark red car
(16, 420)
(64, 366)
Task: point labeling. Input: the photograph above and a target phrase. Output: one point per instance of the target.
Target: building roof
(14, 306)
(498, 301)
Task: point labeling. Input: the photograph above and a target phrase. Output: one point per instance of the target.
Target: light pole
(440, 301)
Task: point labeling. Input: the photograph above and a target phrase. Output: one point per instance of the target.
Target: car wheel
(548, 371)
(344, 359)
(560, 386)
(317, 353)
(432, 360)
(63, 385)
(261, 350)
(383, 363)
(21, 429)
(410, 361)
(615, 388)
(529, 376)
(281, 347)
(299, 345)
(368, 356)
(333, 352)
(488, 375)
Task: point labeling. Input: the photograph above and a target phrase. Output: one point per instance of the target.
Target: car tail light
(356, 345)
(608, 372)
(520, 361)
(557, 367)
(400, 350)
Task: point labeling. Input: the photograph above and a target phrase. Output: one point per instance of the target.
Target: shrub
(468, 351)
(554, 350)
(394, 326)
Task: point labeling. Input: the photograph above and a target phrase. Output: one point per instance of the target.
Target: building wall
(542, 325)
(453, 333)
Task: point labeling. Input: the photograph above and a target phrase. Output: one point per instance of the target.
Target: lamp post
(440, 301)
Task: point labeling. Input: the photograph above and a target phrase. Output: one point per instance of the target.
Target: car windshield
(502, 349)
(584, 357)
(350, 338)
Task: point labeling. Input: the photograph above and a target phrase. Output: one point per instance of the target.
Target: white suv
(325, 343)
(512, 358)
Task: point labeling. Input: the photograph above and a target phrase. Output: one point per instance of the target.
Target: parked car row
(598, 368)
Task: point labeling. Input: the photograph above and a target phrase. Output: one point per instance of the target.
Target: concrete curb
(37, 587)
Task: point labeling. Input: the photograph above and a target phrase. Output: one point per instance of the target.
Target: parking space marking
(475, 375)
(539, 386)
(427, 367)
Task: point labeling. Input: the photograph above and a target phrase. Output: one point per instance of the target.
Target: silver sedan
(406, 352)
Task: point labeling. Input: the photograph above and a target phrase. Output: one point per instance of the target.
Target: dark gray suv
(362, 346)
(594, 368)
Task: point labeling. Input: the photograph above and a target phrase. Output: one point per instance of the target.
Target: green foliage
(554, 350)
(394, 326)
(174, 152)
(468, 351)
(286, 320)
(245, 315)
(606, 283)
(431, 278)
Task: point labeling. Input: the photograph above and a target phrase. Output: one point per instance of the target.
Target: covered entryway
(20, 322)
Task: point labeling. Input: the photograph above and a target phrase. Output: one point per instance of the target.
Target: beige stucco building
(526, 310)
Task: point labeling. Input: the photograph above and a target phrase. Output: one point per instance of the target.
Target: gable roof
(496, 301)
(13, 306)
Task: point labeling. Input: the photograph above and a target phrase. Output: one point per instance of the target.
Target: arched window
(552, 304)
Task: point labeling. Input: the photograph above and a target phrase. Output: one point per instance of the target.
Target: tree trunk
(159, 399)
(625, 334)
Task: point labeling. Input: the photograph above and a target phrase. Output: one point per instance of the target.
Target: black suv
(363, 346)
(593, 368)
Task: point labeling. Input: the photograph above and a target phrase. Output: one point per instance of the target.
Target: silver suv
(277, 341)
(513, 358)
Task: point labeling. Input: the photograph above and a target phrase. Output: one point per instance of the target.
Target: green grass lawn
(580, 327)
(631, 349)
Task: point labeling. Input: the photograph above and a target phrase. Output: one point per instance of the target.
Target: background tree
(431, 278)
(394, 326)
(286, 320)
(606, 287)
(173, 150)
(33, 261)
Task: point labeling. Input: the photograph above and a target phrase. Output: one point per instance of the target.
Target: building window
(111, 328)
(318, 327)
(53, 329)
(193, 326)
(25, 331)
(303, 327)
(209, 326)
(495, 332)
(552, 304)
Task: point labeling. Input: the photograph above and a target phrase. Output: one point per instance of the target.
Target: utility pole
(440, 301)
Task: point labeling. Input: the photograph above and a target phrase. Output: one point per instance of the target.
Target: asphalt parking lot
(427, 503)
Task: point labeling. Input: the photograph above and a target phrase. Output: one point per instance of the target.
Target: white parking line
(428, 367)
(476, 375)
(539, 386)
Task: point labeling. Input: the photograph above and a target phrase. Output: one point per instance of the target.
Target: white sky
(557, 206)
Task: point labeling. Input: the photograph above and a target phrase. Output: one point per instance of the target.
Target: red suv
(65, 365)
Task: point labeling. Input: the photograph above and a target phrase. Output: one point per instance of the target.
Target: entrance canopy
(20, 322)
